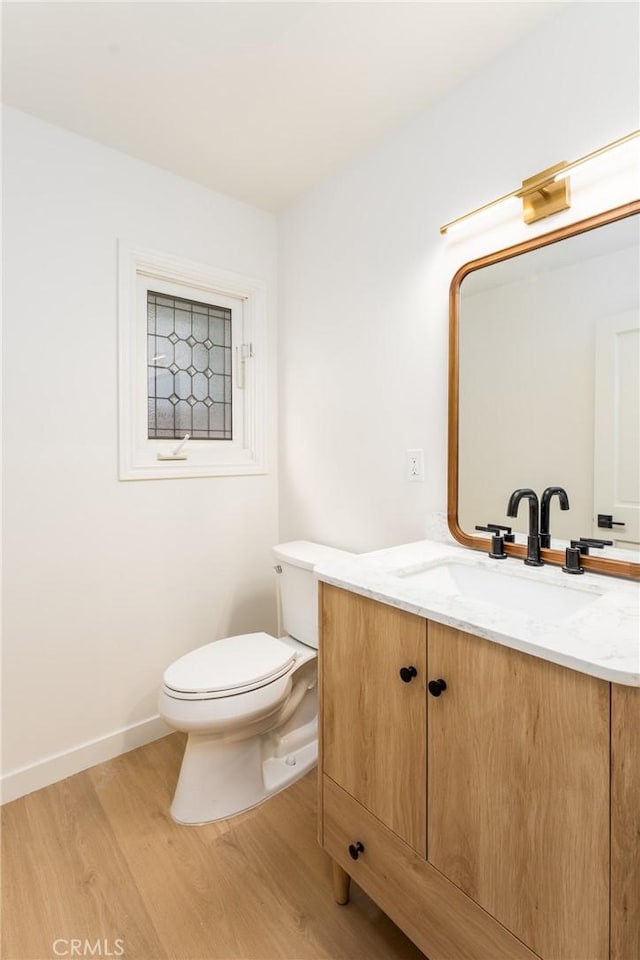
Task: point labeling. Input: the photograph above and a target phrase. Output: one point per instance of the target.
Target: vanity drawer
(432, 911)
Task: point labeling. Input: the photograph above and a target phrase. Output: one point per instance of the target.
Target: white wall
(365, 273)
(107, 582)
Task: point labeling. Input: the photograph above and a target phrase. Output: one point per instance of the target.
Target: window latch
(243, 353)
(176, 454)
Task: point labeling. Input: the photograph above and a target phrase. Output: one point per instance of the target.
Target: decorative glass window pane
(181, 325)
(189, 369)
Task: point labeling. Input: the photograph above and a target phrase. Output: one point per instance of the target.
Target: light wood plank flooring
(97, 857)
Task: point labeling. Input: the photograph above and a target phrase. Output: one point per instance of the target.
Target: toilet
(249, 703)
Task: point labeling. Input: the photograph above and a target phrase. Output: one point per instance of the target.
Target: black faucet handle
(595, 542)
(497, 528)
(585, 543)
(581, 546)
(573, 555)
(497, 547)
(498, 539)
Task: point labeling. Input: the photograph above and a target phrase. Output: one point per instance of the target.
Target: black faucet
(545, 505)
(580, 548)
(533, 540)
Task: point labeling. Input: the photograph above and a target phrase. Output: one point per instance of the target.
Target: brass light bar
(547, 192)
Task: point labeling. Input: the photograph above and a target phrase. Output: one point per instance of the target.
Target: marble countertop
(602, 638)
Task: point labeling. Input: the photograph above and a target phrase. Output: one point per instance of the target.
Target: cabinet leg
(341, 884)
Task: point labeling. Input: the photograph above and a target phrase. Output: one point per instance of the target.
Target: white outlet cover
(415, 466)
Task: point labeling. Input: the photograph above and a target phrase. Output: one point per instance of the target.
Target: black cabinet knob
(436, 687)
(408, 673)
(355, 849)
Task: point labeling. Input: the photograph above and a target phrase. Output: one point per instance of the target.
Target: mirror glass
(549, 388)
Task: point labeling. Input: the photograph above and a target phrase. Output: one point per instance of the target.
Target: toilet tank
(298, 588)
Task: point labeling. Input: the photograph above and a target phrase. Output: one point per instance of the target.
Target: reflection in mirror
(549, 386)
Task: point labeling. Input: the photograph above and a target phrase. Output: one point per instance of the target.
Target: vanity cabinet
(478, 818)
(518, 812)
(373, 721)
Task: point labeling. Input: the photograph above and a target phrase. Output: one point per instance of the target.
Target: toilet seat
(228, 667)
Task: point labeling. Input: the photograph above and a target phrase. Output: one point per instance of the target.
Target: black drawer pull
(436, 687)
(355, 849)
(408, 673)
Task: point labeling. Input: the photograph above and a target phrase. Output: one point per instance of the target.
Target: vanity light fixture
(547, 192)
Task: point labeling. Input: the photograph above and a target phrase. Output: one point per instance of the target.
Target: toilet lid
(244, 662)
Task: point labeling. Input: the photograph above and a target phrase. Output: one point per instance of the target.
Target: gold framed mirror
(544, 389)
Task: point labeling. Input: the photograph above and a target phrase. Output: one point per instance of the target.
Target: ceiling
(256, 100)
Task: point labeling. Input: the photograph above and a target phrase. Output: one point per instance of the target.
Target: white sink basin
(537, 599)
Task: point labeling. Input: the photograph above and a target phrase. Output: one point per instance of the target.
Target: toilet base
(219, 779)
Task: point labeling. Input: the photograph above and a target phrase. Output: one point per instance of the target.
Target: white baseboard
(17, 783)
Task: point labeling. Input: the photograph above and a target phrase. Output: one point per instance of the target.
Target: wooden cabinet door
(518, 792)
(372, 722)
(625, 822)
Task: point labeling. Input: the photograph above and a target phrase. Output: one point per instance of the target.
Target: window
(189, 368)
(191, 365)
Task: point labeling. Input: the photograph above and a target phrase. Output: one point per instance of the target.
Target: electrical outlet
(415, 465)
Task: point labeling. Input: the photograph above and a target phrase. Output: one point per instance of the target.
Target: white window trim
(206, 458)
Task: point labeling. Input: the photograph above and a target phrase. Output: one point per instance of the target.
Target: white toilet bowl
(249, 704)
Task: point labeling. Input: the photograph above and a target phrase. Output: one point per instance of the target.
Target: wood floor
(97, 857)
